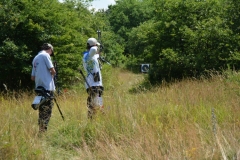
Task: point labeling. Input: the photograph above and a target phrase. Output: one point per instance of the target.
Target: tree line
(179, 38)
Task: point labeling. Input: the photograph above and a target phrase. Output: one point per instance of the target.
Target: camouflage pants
(45, 112)
(93, 93)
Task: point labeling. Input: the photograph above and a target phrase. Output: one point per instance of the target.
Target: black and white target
(144, 68)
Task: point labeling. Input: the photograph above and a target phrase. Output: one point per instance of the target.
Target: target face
(145, 68)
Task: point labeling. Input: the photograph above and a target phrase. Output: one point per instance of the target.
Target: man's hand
(53, 72)
(33, 78)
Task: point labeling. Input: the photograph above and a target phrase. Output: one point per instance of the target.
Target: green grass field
(186, 120)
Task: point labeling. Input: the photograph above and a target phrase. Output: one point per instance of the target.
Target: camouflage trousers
(93, 104)
(45, 112)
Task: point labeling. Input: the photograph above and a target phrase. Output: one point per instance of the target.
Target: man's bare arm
(53, 72)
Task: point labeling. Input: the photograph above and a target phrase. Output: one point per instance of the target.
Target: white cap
(92, 42)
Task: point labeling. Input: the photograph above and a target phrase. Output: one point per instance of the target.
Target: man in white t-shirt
(94, 83)
(43, 73)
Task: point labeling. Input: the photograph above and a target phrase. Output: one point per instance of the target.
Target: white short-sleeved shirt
(41, 65)
(91, 65)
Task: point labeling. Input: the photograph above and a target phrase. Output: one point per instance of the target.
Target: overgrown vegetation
(189, 119)
(178, 38)
(193, 49)
(26, 25)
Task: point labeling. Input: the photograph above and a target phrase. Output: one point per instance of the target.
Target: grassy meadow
(186, 120)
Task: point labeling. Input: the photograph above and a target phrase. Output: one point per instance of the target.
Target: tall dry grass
(190, 119)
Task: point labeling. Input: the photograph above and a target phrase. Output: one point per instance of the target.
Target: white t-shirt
(91, 65)
(41, 65)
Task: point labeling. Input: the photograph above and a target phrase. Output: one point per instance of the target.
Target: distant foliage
(185, 38)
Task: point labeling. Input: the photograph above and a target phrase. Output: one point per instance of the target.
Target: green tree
(26, 25)
(196, 32)
(127, 14)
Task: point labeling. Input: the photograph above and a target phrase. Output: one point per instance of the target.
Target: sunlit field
(186, 120)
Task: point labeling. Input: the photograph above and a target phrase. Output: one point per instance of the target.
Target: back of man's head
(47, 46)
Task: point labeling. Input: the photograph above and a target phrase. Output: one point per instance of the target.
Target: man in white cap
(43, 73)
(93, 82)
